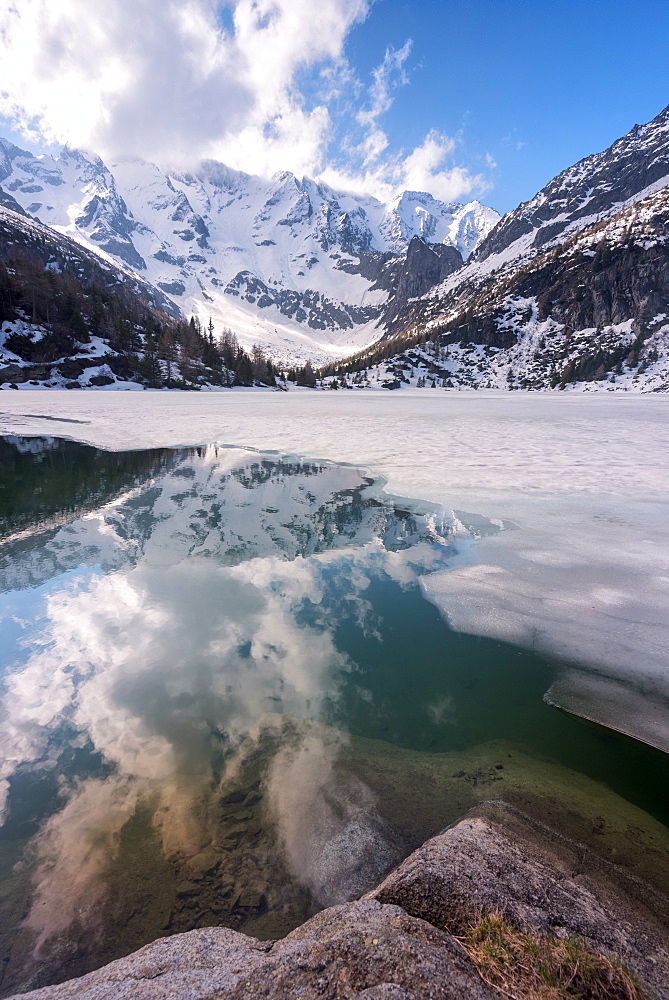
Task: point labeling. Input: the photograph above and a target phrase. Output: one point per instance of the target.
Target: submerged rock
(397, 943)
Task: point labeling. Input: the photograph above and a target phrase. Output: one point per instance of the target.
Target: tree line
(63, 309)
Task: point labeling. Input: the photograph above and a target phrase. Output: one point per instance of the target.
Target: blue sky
(537, 84)
(481, 98)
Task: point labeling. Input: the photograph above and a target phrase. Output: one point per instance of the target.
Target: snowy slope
(419, 214)
(633, 167)
(277, 260)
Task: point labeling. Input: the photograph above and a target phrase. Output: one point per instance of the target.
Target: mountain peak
(598, 185)
(282, 261)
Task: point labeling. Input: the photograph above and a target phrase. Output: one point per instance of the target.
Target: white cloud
(387, 77)
(177, 81)
(166, 81)
(333, 838)
(425, 168)
(373, 170)
(173, 644)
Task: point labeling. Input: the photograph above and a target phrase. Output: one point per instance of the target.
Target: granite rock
(499, 859)
(355, 950)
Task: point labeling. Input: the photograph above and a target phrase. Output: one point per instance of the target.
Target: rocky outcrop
(412, 276)
(497, 859)
(23, 236)
(364, 949)
(180, 231)
(569, 288)
(397, 943)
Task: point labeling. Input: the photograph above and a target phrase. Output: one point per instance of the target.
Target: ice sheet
(581, 571)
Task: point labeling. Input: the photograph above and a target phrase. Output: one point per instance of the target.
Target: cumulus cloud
(167, 80)
(73, 849)
(257, 84)
(151, 669)
(424, 170)
(427, 167)
(334, 840)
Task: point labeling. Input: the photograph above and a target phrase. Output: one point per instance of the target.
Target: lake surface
(226, 700)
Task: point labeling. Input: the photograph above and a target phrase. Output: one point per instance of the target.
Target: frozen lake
(578, 483)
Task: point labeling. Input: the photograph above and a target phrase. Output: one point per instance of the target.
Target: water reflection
(153, 633)
(45, 482)
(175, 647)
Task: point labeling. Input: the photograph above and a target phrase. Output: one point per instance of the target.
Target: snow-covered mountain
(570, 290)
(595, 188)
(288, 263)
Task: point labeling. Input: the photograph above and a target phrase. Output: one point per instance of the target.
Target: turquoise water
(159, 609)
(437, 690)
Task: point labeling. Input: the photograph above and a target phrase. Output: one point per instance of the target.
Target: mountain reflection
(194, 600)
(45, 482)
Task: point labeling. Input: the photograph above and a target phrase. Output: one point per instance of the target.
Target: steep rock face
(309, 307)
(595, 309)
(38, 184)
(18, 231)
(412, 276)
(7, 201)
(423, 266)
(416, 213)
(311, 272)
(406, 279)
(613, 273)
(47, 282)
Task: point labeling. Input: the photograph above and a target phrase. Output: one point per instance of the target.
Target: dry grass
(532, 967)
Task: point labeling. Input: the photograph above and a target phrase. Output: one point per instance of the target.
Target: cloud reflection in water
(207, 598)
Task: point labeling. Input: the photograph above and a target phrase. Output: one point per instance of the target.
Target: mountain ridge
(590, 188)
(274, 260)
(569, 290)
